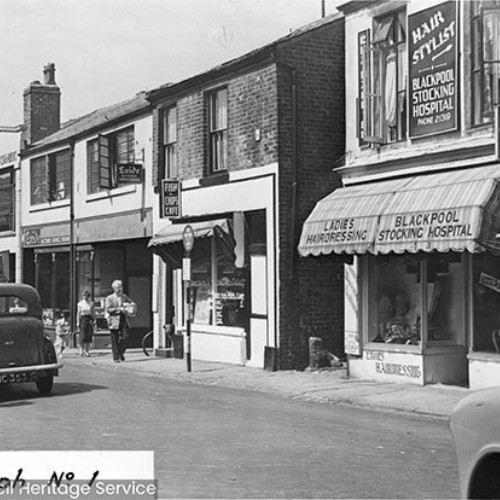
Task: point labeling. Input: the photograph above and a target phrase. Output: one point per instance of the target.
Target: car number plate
(13, 378)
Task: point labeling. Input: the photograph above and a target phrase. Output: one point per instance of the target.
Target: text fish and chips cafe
(422, 286)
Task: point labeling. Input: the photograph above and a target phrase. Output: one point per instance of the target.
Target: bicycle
(146, 343)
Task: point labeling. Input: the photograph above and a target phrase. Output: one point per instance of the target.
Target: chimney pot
(49, 74)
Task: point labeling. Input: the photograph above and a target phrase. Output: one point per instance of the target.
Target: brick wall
(311, 289)
(42, 112)
(260, 131)
(252, 124)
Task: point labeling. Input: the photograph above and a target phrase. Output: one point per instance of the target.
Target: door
(139, 290)
(258, 336)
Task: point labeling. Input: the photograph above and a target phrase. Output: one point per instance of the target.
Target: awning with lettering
(446, 211)
(168, 242)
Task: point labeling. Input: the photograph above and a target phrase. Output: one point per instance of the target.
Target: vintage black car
(26, 352)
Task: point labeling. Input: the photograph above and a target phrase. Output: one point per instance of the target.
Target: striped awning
(446, 211)
(172, 233)
(167, 243)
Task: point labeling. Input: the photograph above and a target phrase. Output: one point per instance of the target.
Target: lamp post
(188, 242)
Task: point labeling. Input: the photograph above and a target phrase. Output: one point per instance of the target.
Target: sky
(105, 51)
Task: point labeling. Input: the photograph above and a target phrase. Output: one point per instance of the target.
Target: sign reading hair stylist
(433, 78)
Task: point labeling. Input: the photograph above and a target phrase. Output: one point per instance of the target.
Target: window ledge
(219, 330)
(7, 234)
(402, 348)
(110, 193)
(50, 205)
(484, 356)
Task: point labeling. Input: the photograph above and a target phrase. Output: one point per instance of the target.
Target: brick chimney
(42, 108)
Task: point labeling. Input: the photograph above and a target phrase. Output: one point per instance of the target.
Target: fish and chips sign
(433, 79)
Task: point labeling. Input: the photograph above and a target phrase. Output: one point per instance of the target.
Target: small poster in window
(489, 282)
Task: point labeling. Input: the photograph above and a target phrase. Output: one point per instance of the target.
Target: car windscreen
(12, 305)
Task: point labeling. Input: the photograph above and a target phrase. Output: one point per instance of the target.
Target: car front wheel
(44, 385)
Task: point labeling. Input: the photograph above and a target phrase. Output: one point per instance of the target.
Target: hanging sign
(170, 198)
(433, 78)
(130, 173)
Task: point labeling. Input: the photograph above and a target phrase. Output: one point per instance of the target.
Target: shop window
(84, 271)
(230, 293)
(384, 75)
(7, 200)
(169, 143)
(485, 31)
(104, 154)
(218, 287)
(136, 253)
(486, 303)
(108, 266)
(201, 289)
(50, 177)
(398, 288)
(217, 119)
(396, 307)
(445, 298)
(52, 283)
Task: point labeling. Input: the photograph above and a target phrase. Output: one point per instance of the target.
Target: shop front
(47, 261)
(233, 283)
(422, 296)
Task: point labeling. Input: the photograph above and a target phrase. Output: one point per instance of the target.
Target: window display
(218, 288)
(486, 303)
(396, 308)
(445, 297)
(397, 285)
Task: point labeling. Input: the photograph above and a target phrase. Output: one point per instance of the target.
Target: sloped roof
(85, 124)
(245, 58)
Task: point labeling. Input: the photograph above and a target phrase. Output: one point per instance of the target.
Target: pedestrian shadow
(25, 394)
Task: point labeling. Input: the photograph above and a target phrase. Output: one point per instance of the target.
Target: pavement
(323, 386)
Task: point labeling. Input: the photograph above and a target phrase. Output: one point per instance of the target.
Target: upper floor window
(104, 154)
(169, 142)
(385, 74)
(7, 200)
(218, 112)
(50, 177)
(485, 17)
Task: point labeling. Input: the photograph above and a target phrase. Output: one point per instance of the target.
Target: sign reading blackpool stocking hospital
(432, 68)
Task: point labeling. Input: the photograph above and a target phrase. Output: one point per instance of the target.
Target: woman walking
(86, 319)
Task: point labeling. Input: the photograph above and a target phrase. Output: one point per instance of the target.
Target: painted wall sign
(339, 231)
(442, 225)
(387, 364)
(433, 78)
(130, 173)
(170, 198)
(41, 237)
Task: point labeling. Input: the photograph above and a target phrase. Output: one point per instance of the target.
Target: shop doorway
(140, 290)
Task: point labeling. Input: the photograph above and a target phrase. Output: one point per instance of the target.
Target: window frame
(217, 133)
(54, 169)
(103, 159)
(9, 188)
(374, 74)
(168, 144)
(477, 71)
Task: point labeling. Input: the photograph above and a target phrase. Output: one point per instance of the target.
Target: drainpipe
(72, 253)
(294, 170)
